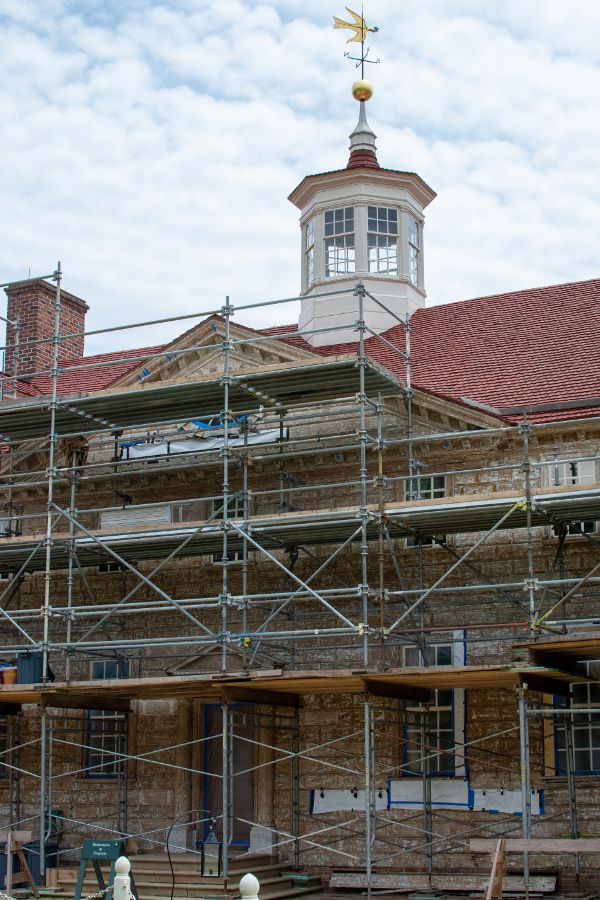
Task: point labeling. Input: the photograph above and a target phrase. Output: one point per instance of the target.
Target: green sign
(102, 849)
(93, 851)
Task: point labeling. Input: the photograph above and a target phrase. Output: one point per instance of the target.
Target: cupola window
(382, 240)
(310, 253)
(339, 241)
(414, 249)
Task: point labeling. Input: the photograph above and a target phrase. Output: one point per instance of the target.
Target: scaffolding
(340, 588)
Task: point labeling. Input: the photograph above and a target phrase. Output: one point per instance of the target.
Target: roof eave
(311, 183)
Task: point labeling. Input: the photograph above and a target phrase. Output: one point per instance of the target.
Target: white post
(249, 887)
(122, 883)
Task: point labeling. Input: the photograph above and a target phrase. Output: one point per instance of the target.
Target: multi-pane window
(414, 249)
(310, 252)
(106, 729)
(339, 241)
(439, 726)
(577, 472)
(426, 487)
(586, 728)
(382, 240)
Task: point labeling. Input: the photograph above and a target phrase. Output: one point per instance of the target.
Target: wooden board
(22, 836)
(462, 883)
(582, 645)
(539, 845)
(210, 687)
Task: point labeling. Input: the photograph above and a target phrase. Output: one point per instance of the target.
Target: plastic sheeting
(195, 445)
(323, 801)
(506, 801)
(446, 793)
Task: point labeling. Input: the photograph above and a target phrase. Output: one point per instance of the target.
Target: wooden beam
(545, 685)
(554, 659)
(396, 691)
(258, 695)
(538, 845)
(64, 701)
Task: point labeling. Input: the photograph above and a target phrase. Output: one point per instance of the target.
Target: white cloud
(151, 146)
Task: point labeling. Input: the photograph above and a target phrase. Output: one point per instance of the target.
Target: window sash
(382, 220)
(340, 258)
(106, 730)
(586, 729)
(425, 487)
(339, 221)
(383, 254)
(441, 719)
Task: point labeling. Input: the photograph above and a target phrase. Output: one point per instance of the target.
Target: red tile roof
(525, 348)
(521, 349)
(93, 373)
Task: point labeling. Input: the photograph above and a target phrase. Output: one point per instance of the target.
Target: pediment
(199, 352)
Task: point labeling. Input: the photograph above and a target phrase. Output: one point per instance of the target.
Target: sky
(151, 146)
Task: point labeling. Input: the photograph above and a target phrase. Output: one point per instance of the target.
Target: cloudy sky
(151, 146)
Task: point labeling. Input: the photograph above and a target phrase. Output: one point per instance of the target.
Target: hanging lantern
(211, 852)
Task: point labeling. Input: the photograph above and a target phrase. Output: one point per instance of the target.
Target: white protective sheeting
(504, 801)
(196, 445)
(446, 793)
(133, 515)
(335, 800)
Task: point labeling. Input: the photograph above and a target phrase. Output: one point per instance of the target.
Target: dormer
(360, 222)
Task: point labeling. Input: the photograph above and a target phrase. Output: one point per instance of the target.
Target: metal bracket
(531, 584)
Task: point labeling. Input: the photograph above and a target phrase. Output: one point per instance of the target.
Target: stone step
(184, 887)
(270, 893)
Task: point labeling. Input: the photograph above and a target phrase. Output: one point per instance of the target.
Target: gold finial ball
(362, 90)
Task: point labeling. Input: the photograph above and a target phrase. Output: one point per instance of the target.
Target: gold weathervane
(361, 90)
(358, 26)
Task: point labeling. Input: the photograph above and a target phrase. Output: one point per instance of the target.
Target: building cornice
(392, 178)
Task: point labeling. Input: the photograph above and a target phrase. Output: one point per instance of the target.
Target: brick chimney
(32, 304)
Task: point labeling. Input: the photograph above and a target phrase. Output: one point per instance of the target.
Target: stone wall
(156, 794)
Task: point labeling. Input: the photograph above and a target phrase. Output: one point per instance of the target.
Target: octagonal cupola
(361, 222)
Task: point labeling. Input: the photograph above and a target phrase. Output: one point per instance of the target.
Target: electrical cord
(188, 812)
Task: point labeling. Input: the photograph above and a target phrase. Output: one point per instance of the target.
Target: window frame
(459, 768)
(414, 250)
(433, 492)
(382, 233)
(99, 715)
(557, 475)
(593, 722)
(344, 263)
(309, 253)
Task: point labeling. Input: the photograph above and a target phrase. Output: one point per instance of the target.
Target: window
(107, 730)
(586, 729)
(565, 472)
(310, 252)
(442, 724)
(109, 567)
(10, 522)
(382, 240)
(425, 487)
(414, 249)
(339, 241)
(235, 510)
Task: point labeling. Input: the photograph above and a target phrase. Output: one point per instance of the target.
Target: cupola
(362, 222)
